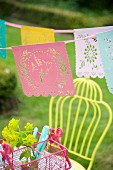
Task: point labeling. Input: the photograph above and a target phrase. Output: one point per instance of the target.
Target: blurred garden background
(60, 14)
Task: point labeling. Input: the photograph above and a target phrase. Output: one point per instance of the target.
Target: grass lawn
(35, 109)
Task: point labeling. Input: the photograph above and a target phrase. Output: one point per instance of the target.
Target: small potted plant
(16, 137)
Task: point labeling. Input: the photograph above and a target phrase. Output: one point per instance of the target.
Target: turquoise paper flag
(2, 38)
(105, 43)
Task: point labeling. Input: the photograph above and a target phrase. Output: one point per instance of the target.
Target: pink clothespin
(55, 135)
(7, 149)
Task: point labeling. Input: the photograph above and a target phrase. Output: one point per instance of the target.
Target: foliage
(7, 81)
(95, 4)
(28, 153)
(8, 84)
(74, 4)
(15, 136)
(53, 17)
(63, 4)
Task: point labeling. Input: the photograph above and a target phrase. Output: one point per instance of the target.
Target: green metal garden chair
(85, 119)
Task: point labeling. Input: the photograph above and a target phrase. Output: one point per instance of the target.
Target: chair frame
(94, 98)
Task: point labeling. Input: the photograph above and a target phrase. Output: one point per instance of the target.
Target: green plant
(53, 17)
(8, 84)
(15, 136)
(8, 81)
(95, 4)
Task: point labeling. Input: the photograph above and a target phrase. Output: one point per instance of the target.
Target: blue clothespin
(0, 158)
(43, 145)
(2, 162)
(44, 136)
(35, 132)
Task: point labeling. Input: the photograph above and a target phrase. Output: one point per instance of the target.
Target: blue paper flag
(2, 39)
(105, 43)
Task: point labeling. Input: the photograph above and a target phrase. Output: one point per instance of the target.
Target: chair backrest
(85, 119)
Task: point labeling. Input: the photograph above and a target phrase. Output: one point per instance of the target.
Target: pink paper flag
(44, 69)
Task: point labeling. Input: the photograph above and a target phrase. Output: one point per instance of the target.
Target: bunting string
(13, 25)
(55, 31)
(66, 42)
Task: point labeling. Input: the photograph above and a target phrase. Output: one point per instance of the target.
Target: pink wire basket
(53, 157)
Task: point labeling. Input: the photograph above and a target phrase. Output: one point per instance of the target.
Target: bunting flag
(44, 69)
(2, 39)
(35, 35)
(105, 43)
(88, 60)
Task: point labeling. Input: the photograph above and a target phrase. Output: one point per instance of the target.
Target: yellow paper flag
(35, 35)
